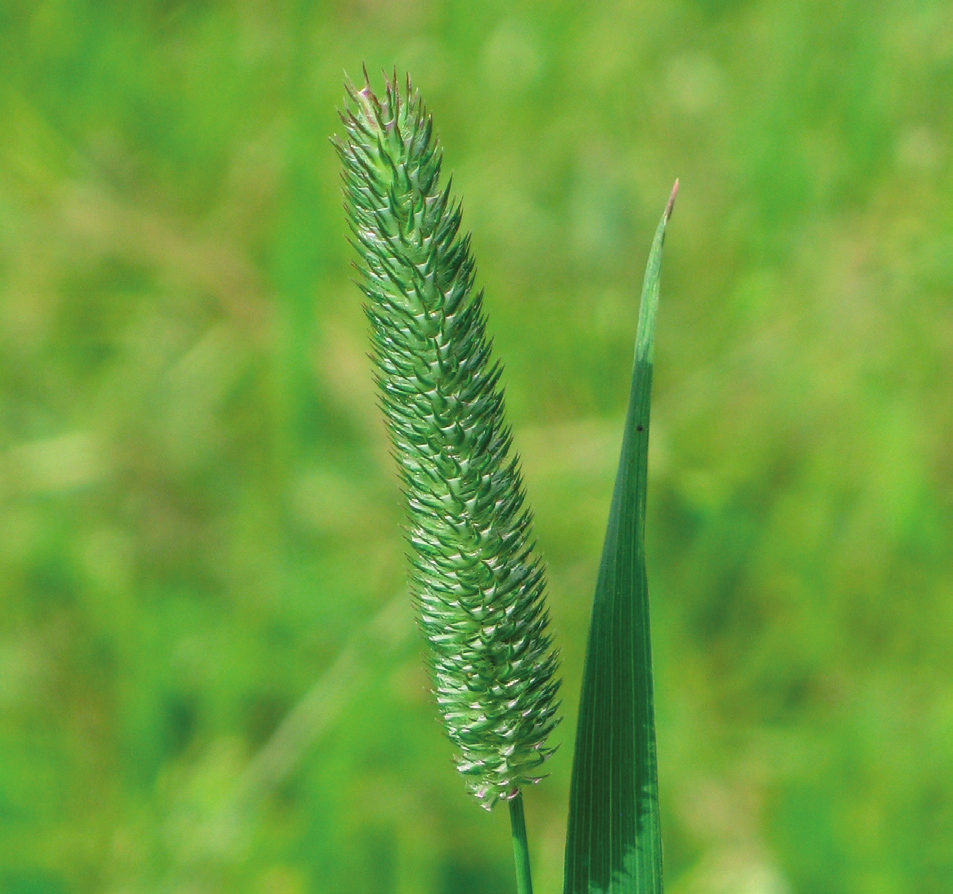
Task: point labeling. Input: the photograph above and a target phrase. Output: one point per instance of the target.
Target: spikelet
(477, 583)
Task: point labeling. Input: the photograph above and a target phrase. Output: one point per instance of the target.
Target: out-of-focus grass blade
(614, 843)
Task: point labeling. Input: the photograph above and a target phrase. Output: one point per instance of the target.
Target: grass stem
(524, 881)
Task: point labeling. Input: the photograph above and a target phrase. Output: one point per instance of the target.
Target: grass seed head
(477, 583)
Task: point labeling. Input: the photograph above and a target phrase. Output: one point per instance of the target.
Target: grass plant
(476, 580)
(210, 678)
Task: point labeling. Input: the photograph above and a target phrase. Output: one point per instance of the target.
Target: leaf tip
(671, 201)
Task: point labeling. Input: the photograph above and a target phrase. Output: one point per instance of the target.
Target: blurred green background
(209, 675)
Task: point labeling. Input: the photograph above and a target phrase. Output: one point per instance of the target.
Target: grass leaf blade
(614, 843)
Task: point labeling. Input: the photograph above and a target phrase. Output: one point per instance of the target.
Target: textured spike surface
(477, 583)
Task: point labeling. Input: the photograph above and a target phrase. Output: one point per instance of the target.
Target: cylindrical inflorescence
(477, 583)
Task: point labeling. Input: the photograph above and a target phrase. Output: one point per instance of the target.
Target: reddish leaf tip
(671, 201)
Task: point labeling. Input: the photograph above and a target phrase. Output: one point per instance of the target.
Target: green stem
(524, 882)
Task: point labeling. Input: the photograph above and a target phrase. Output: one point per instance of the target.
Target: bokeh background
(209, 675)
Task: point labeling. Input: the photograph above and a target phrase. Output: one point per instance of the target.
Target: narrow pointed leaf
(614, 842)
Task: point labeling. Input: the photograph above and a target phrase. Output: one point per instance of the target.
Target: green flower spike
(477, 583)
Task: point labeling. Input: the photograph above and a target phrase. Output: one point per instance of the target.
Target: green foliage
(476, 581)
(197, 563)
(614, 842)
